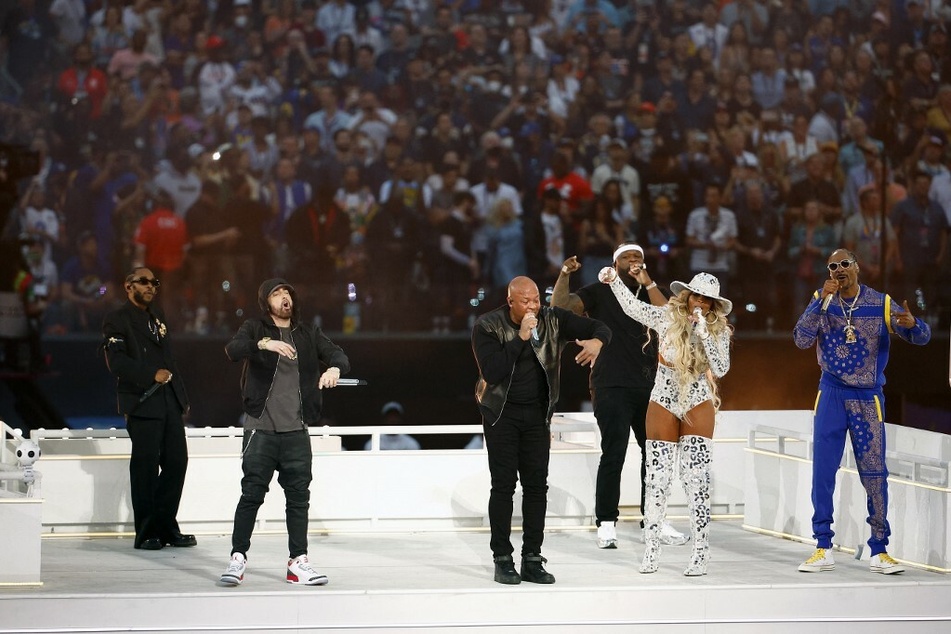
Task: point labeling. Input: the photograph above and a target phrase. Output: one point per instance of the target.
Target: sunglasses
(146, 281)
(845, 264)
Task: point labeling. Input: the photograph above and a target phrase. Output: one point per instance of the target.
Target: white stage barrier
(86, 480)
(761, 471)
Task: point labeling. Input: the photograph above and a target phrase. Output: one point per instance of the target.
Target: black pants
(157, 470)
(518, 447)
(263, 453)
(618, 410)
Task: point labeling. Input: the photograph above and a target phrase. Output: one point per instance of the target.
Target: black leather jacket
(496, 346)
(313, 348)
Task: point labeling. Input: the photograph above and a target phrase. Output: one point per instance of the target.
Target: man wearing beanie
(283, 358)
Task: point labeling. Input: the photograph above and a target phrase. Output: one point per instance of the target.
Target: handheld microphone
(535, 332)
(697, 313)
(826, 302)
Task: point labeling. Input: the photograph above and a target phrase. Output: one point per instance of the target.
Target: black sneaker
(533, 571)
(505, 570)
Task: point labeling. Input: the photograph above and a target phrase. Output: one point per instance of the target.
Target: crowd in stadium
(399, 161)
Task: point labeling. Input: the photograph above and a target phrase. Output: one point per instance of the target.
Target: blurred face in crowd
(364, 59)
(408, 169)
(285, 170)
(351, 178)
(870, 200)
(82, 56)
(399, 36)
(754, 196)
(343, 141)
(921, 186)
(711, 197)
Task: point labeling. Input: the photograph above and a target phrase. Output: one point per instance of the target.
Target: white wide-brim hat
(706, 285)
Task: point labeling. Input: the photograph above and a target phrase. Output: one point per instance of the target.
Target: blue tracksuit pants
(858, 411)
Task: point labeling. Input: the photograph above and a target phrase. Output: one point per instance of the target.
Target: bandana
(624, 248)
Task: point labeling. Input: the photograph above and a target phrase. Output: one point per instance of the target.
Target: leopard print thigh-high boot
(661, 458)
(695, 458)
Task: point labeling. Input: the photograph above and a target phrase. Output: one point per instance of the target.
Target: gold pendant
(850, 334)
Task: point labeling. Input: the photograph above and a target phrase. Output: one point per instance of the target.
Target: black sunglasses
(845, 264)
(145, 280)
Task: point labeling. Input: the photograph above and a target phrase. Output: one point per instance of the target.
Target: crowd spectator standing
(358, 122)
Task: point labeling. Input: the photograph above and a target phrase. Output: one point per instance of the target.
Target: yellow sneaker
(884, 564)
(820, 561)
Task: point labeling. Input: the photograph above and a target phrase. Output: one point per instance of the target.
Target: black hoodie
(315, 351)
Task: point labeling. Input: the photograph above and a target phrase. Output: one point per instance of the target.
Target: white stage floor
(442, 581)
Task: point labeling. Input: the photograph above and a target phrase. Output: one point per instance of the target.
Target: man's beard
(283, 313)
(141, 299)
(628, 280)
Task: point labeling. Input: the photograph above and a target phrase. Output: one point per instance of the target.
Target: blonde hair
(690, 361)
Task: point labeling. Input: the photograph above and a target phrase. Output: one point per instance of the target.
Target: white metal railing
(562, 425)
(905, 466)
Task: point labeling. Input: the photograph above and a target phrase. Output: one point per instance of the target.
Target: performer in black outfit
(518, 349)
(151, 396)
(621, 385)
(281, 389)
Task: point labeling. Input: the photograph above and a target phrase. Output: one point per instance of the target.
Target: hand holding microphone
(829, 289)
(701, 323)
(529, 327)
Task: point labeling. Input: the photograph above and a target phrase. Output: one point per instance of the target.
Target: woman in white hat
(694, 351)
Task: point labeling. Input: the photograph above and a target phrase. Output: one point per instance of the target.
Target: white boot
(695, 457)
(661, 457)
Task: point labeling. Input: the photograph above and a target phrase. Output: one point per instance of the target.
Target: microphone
(535, 330)
(697, 313)
(826, 302)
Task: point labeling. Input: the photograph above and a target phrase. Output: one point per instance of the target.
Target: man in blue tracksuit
(851, 324)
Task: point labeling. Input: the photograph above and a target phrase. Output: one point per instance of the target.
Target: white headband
(624, 248)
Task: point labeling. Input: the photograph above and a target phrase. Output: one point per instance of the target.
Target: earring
(715, 317)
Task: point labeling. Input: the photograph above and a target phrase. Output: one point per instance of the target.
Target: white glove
(607, 275)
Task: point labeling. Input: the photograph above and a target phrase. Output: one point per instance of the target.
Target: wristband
(565, 270)
(262, 345)
(650, 286)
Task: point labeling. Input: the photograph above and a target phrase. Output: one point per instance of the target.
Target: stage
(442, 580)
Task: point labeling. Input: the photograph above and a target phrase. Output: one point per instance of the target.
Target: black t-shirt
(529, 386)
(624, 362)
(204, 219)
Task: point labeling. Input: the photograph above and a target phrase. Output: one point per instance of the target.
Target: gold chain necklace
(849, 328)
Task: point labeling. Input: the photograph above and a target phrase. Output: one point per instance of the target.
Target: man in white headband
(621, 382)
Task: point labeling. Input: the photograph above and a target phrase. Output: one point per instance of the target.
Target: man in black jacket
(151, 396)
(281, 390)
(518, 350)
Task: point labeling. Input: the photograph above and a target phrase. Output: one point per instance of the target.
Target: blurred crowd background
(399, 161)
